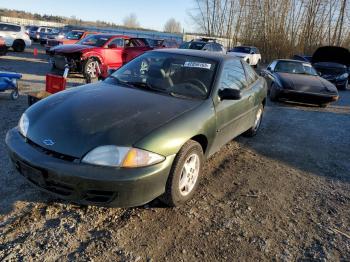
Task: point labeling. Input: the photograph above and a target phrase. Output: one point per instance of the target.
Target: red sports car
(94, 55)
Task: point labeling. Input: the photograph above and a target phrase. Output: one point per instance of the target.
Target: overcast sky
(151, 14)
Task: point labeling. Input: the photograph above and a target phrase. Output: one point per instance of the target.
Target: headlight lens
(23, 124)
(126, 157)
(343, 76)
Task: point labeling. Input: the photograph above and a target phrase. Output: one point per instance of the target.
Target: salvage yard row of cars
(146, 130)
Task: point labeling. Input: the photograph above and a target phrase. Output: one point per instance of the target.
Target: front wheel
(345, 86)
(14, 94)
(91, 70)
(184, 175)
(257, 122)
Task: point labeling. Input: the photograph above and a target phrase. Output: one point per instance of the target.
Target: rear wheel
(18, 45)
(257, 122)
(184, 175)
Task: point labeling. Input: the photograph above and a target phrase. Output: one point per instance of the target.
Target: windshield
(74, 35)
(241, 49)
(295, 68)
(94, 40)
(193, 45)
(172, 74)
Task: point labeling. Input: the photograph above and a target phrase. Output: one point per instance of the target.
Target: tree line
(279, 28)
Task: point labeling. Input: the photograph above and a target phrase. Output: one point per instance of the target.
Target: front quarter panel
(168, 139)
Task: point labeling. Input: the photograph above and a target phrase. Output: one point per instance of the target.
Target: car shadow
(314, 140)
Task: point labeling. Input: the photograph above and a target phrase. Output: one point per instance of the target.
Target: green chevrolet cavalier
(143, 133)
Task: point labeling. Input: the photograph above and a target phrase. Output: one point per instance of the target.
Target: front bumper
(87, 184)
(308, 97)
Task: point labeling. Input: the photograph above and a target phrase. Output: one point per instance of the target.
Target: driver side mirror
(319, 73)
(230, 94)
(252, 52)
(269, 69)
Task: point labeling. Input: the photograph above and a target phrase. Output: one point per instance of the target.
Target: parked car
(31, 30)
(298, 81)
(3, 47)
(250, 54)
(305, 58)
(142, 133)
(70, 38)
(204, 44)
(333, 64)
(94, 55)
(41, 31)
(49, 34)
(162, 43)
(15, 36)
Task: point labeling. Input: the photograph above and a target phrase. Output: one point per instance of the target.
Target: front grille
(52, 153)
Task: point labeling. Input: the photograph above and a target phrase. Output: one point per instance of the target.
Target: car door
(233, 117)
(113, 53)
(133, 48)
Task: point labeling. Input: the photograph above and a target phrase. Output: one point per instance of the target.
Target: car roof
(10, 24)
(292, 60)
(217, 56)
(245, 46)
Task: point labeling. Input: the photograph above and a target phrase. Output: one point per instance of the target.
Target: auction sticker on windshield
(197, 65)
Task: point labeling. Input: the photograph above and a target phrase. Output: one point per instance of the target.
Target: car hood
(307, 83)
(65, 49)
(83, 118)
(333, 54)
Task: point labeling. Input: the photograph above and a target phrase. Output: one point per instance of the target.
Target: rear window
(74, 35)
(10, 28)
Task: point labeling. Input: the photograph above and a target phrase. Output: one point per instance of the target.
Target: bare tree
(279, 28)
(172, 26)
(131, 21)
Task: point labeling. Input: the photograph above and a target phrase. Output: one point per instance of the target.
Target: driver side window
(116, 43)
(233, 75)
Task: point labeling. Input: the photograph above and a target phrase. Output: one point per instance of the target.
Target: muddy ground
(283, 195)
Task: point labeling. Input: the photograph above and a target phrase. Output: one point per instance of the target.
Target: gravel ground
(282, 195)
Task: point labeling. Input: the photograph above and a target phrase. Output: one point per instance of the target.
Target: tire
(18, 45)
(345, 86)
(175, 194)
(257, 122)
(273, 94)
(14, 94)
(90, 70)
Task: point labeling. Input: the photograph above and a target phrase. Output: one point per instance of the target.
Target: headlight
(23, 124)
(343, 76)
(126, 157)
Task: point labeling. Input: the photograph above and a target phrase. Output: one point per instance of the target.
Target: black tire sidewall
(172, 195)
(18, 46)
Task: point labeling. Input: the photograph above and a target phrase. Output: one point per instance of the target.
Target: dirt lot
(283, 195)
